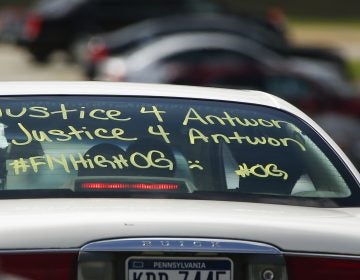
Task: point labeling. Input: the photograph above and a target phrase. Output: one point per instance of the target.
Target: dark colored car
(256, 29)
(133, 36)
(57, 24)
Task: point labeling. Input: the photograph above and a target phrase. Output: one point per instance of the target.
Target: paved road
(345, 38)
(16, 65)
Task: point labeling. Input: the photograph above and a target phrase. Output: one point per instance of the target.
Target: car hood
(71, 223)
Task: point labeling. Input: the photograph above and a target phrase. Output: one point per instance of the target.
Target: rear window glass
(165, 146)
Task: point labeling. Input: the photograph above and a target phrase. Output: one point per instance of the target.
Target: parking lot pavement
(16, 65)
(344, 38)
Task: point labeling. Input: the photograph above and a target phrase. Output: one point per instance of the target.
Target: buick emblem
(180, 244)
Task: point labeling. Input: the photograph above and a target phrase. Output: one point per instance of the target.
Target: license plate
(172, 268)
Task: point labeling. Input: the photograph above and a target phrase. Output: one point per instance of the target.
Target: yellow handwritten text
(68, 135)
(261, 171)
(196, 135)
(74, 162)
(64, 112)
(154, 111)
(160, 132)
(226, 119)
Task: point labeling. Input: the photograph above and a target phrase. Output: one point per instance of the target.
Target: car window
(289, 87)
(152, 146)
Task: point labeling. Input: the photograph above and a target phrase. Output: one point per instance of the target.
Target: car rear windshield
(165, 147)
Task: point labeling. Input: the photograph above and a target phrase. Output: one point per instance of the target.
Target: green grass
(354, 66)
(331, 31)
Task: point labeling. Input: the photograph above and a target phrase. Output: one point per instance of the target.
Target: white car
(154, 182)
(150, 63)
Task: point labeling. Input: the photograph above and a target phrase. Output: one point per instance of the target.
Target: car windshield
(165, 147)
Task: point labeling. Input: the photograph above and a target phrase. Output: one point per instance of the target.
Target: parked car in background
(11, 24)
(209, 48)
(58, 24)
(144, 63)
(96, 48)
(134, 181)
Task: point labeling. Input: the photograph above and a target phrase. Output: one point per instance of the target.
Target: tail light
(322, 268)
(97, 52)
(38, 266)
(276, 16)
(63, 266)
(33, 26)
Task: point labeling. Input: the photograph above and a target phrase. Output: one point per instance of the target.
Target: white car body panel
(70, 223)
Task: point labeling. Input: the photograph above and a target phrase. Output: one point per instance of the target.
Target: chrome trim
(180, 245)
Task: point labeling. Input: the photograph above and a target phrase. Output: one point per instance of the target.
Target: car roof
(240, 25)
(148, 90)
(170, 45)
(151, 90)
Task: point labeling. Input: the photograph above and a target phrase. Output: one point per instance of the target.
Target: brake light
(276, 16)
(33, 26)
(322, 268)
(38, 266)
(129, 186)
(98, 52)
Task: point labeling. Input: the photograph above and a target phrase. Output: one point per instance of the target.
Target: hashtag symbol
(120, 161)
(19, 165)
(243, 170)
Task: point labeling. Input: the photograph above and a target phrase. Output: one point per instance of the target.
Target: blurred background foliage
(319, 8)
(15, 2)
(348, 10)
